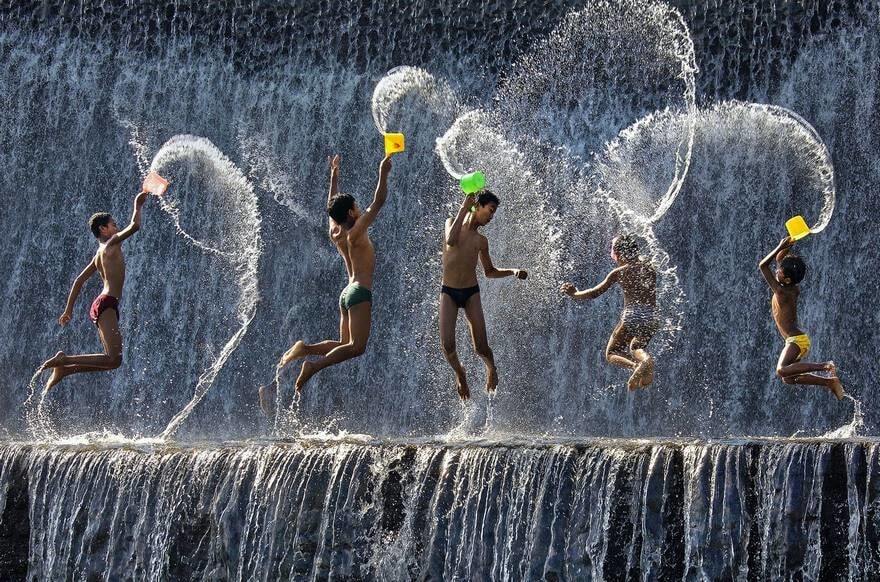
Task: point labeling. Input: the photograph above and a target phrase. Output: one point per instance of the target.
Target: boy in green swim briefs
(349, 232)
(790, 270)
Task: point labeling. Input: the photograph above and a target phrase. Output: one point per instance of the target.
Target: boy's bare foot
(831, 368)
(836, 388)
(267, 399)
(294, 353)
(635, 381)
(308, 369)
(645, 371)
(57, 376)
(464, 391)
(491, 379)
(53, 362)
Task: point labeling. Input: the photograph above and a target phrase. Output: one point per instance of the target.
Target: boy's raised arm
(135, 224)
(776, 254)
(334, 177)
(593, 292)
(455, 228)
(363, 223)
(90, 270)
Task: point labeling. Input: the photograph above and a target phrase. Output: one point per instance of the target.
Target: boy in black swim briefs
(463, 245)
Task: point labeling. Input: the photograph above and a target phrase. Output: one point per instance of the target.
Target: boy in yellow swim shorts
(790, 270)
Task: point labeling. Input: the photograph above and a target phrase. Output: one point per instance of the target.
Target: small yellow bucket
(394, 143)
(797, 227)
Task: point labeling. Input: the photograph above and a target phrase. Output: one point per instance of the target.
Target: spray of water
(236, 238)
(38, 420)
(607, 66)
(851, 429)
(415, 83)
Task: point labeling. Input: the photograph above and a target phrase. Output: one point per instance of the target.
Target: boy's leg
(448, 321)
(645, 369)
(108, 330)
(301, 349)
(793, 372)
(617, 353)
(473, 309)
(359, 322)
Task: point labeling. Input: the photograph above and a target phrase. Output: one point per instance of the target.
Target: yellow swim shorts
(802, 341)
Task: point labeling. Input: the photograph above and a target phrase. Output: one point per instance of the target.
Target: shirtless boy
(462, 246)
(349, 232)
(104, 313)
(790, 271)
(638, 323)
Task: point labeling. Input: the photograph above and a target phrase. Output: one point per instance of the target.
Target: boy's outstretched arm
(134, 225)
(776, 254)
(74, 291)
(491, 271)
(455, 228)
(363, 223)
(334, 177)
(593, 292)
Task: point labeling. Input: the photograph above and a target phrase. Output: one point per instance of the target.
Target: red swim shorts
(101, 303)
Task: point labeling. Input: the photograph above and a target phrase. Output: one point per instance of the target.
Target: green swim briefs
(353, 294)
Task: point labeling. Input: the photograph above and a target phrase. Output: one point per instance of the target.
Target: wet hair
(793, 267)
(338, 207)
(626, 247)
(487, 197)
(98, 220)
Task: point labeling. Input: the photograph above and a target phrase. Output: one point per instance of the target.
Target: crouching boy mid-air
(638, 322)
(790, 271)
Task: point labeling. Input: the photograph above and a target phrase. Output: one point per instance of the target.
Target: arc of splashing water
(826, 168)
(186, 145)
(682, 38)
(682, 50)
(404, 80)
(686, 54)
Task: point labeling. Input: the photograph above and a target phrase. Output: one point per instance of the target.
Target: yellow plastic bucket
(797, 227)
(394, 143)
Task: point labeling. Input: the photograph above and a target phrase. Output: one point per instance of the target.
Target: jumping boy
(462, 246)
(638, 322)
(109, 263)
(790, 271)
(349, 232)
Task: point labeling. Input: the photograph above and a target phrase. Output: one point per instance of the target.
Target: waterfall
(345, 509)
(700, 125)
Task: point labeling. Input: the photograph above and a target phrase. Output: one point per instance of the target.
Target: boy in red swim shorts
(104, 313)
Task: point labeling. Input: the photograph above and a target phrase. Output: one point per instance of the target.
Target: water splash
(38, 420)
(417, 84)
(607, 66)
(234, 236)
(853, 428)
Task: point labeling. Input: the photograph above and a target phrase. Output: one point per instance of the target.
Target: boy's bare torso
(110, 263)
(639, 284)
(460, 260)
(784, 309)
(358, 254)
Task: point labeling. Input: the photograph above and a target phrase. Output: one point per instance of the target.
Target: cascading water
(701, 125)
